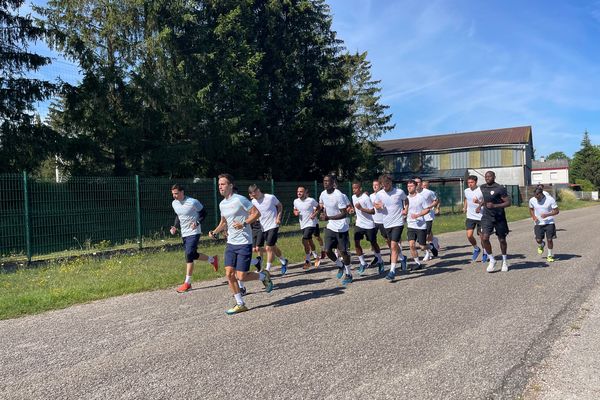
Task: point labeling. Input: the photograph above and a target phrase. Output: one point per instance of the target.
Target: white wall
(504, 176)
(548, 176)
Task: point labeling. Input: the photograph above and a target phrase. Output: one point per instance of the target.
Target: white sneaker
(427, 257)
(504, 266)
(491, 266)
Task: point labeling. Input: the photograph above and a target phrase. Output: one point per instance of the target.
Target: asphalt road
(450, 332)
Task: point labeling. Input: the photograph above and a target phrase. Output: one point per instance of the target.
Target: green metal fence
(39, 217)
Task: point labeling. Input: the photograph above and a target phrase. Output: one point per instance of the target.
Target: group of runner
(253, 226)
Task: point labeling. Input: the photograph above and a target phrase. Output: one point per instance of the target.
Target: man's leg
(344, 250)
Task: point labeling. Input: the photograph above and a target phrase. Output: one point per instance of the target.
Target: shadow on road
(565, 257)
(304, 296)
(527, 265)
(454, 255)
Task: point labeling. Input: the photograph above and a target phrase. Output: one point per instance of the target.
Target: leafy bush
(566, 196)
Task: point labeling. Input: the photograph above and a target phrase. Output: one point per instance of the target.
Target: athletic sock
(362, 260)
(261, 276)
(379, 258)
(393, 267)
(188, 279)
(484, 252)
(417, 261)
(503, 257)
(211, 259)
(315, 255)
(426, 253)
(238, 299)
(268, 266)
(307, 256)
(282, 259)
(550, 252)
(348, 270)
(476, 248)
(491, 258)
(241, 284)
(338, 263)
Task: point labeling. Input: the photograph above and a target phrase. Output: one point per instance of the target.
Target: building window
(553, 176)
(536, 177)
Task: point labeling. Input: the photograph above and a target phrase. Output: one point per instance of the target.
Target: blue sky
(464, 65)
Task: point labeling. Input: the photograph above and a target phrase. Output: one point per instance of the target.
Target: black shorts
(499, 225)
(257, 238)
(309, 232)
(336, 240)
(418, 235)
(395, 233)
(472, 224)
(382, 230)
(270, 236)
(369, 234)
(548, 231)
(429, 227)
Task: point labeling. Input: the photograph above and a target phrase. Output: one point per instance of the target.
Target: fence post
(215, 201)
(138, 211)
(27, 217)
(272, 187)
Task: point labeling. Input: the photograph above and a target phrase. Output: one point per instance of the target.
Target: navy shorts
(190, 243)
(238, 256)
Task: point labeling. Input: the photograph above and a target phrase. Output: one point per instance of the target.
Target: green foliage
(586, 163)
(557, 155)
(24, 142)
(566, 196)
(586, 185)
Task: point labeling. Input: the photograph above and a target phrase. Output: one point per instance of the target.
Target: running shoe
(404, 264)
(491, 266)
(484, 258)
(417, 267)
(347, 280)
(306, 265)
(238, 308)
(476, 252)
(381, 267)
(541, 248)
(184, 287)
(258, 264)
(374, 262)
(340, 273)
(436, 243)
(362, 268)
(215, 263)
(267, 282)
(550, 258)
(390, 276)
(284, 264)
(504, 266)
(317, 262)
(434, 250)
(243, 291)
(323, 254)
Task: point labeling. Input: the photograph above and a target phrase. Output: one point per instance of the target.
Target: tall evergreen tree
(586, 162)
(24, 143)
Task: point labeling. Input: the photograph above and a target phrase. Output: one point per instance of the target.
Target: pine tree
(24, 143)
(586, 162)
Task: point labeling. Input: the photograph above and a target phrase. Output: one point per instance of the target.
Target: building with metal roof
(550, 172)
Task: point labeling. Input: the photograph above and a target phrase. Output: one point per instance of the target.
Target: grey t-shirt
(187, 211)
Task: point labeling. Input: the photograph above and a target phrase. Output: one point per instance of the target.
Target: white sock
(315, 255)
(348, 270)
(426, 253)
(188, 279)
(338, 263)
(492, 259)
(484, 252)
(282, 259)
(503, 257)
(307, 256)
(417, 261)
(393, 267)
(241, 284)
(268, 266)
(261, 276)
(362, 259)
(238, 299)
(475, 248)
(550, 252)
(211, 259)
(379, 258)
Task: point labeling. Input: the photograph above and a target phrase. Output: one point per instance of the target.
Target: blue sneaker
(390, 276)
(340, 273)
(476, 252)
(284, 265)
(361, 268)
(403, 264)
(381, 268)
(484, 257)
(267, 281)
(347, 279)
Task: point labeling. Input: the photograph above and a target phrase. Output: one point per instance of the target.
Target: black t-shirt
(493, 193)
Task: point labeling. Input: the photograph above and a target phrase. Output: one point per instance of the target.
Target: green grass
(61, 284)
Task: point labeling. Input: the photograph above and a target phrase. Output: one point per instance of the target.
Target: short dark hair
(417, 177)
(538, 191)
(385, 177)
(359, 183)
(331, 177)
(411, 181)
(303, 187)
(253, 187)
(229, 177)
(177, 186)
(472, 178)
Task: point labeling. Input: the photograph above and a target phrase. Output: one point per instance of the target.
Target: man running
(189, 213)
(271, 210)
(418, 209)
(237, 213)
(304, 207)
(391, 202)
(365, 227)
(378, 220)
(432, 201)
(473, 211)
(542, 209)
(333, 208)
(493, 218)
(258, 243)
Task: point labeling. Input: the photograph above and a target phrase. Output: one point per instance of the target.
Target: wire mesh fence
(39, 217)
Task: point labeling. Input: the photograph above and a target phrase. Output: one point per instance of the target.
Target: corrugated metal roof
(562, 163)
(437, 175)
(517, 135)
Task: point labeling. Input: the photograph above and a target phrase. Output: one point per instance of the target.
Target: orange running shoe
(306, 265)
(184, 287)
(317, 262)
(215, 263)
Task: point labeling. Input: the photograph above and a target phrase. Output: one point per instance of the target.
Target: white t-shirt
(393, 203)
(235, 209)
(187, 212)
(378, 216)
(363, 220)
(547, 205)
(430, 197)
(305, 208)
(416, 205)
(471, 206)
(267, 206)
(333, 203)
